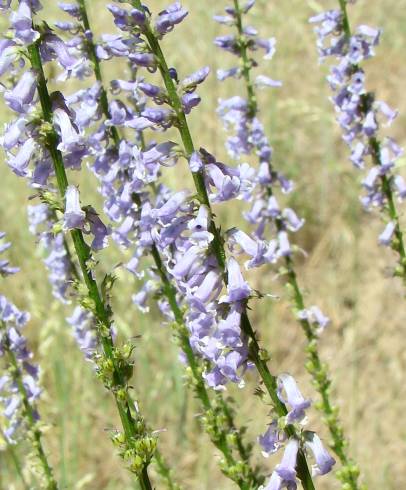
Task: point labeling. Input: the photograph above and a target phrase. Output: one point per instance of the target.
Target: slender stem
(16, 462)
(125, 407)
(317, 369)
(346, 22)
(144, 479)
(217, 244)
(170, 292)
(34, 429)
(246, 63)
(165, 472)
(91, 48)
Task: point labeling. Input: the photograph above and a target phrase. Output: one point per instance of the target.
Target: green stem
(125, 408)
(346, 22)
(16, 462)
(246, 63)
(169, 290)
(217, 244)
(319, 373)
(34, 429)
(91, 49)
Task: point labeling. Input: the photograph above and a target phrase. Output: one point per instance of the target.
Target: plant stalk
(217, 245)
(125, 407)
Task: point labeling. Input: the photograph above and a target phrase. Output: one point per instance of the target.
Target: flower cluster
(359, 114)
(26, 143)
(128, 168)
(12, 341)
(24, 139)
(174, 222)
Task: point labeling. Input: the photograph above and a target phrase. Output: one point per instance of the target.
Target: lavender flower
(324, 462)
(270, 441)
(294, 398)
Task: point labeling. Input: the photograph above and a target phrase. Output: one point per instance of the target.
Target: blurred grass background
(345, 273)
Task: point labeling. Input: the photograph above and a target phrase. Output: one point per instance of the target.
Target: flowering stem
(315, 367)
(219, 439)
(124, 403)
(399, 244)
(34, 431)
(217, 245)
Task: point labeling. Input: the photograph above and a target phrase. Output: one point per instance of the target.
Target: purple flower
(20, 98)
(316, 316)
(70, 8)
(225, 185)
(286, 469)
(324, 462)
(386, 237)
(195, 162)
(237, 288)
(261, 81)
(229, 330)
(71, 140)
(98, 229)
(13, 133)
(19, 162)
(168, 18)
(275, 483)
(21, 21)
(294, 398)
(271, 440)
(74, 216)
(53, 47)
(196, 78)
